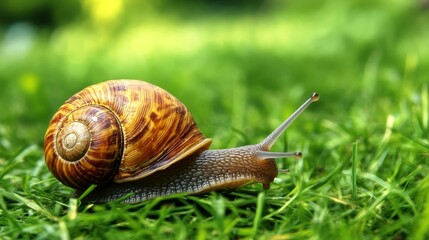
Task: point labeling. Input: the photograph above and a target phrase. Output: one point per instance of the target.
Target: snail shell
(108, 133)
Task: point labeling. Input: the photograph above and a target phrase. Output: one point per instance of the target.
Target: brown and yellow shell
(119, 130)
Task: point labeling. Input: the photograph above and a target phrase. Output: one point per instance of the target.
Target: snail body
(129, 136)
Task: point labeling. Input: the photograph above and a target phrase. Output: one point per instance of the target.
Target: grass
(365, 169)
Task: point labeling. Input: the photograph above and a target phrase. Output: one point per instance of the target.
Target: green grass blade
(29, 203)
(259, 210)
(354, 173)
(87, 191)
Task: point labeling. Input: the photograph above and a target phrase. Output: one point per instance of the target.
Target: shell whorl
(119, 130)
(85, 147)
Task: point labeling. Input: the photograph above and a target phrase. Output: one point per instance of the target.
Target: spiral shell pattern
(119, 130)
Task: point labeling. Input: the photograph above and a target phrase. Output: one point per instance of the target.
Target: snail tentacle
(269, 141)
(267, 155)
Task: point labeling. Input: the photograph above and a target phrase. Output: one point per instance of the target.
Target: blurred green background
(235, 64)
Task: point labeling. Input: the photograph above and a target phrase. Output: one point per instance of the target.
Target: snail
(129, 136)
